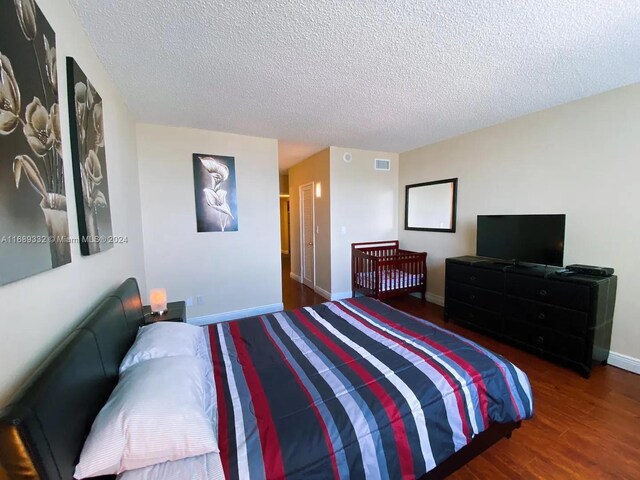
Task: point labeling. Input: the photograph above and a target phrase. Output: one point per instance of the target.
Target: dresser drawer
(555, 318)
(545, 340)
(475, 296)
(564, 294)
(473, 316)
(489, 279)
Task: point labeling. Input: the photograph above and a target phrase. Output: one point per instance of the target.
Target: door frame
(313, 230)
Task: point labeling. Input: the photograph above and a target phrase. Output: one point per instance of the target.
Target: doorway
(285, 222)
(307, 240)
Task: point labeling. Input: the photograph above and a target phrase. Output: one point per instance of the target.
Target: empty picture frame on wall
(215, 189)
(34, 226)
(89, 162)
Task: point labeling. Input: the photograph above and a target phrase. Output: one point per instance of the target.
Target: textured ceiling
(374, 74)
(290, 153)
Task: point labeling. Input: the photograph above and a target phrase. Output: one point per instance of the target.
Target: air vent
(383, 164)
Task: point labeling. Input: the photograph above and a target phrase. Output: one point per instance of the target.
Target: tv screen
(522, 238)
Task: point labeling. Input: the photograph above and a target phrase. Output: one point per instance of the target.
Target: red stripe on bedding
(323, 426)
(435, 365)
(395, 418)
(223, 432)
(271, 452)
(466, 366)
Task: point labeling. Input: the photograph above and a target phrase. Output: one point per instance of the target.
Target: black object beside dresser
(565, 317)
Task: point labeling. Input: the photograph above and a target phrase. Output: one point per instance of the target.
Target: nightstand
(176, 312)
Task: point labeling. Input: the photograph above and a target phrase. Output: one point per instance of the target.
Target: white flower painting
(215, 189)
(89, 162)
(34, 227)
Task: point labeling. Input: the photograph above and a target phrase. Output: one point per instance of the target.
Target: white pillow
(204, 467)
(155, 414)
(165, 339)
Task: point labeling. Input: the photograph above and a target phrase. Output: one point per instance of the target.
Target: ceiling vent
(383, 164)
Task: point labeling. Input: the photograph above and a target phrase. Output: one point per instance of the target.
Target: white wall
(39, 311)
(581, 159)
(231, 270)
(364, 208)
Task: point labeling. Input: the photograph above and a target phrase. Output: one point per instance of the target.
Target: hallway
(295, 294)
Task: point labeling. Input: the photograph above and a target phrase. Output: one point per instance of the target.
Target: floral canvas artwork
(215, 188)
(89, 162)
(34, 227)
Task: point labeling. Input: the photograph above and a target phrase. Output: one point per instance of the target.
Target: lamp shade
(158, 300)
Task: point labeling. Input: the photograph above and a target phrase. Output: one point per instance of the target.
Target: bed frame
(43, 429)
(370, 261)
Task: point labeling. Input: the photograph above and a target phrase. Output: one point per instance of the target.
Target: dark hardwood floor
(295, 294)
(582, 429)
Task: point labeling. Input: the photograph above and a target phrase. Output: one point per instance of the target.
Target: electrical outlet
(200, 300)
(189, 302)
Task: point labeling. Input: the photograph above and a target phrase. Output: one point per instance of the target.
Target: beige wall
(284, 184)
(313, 169)
(284, 224)
(231, 270)
(582, 159)
(39, 311)
(364, 208)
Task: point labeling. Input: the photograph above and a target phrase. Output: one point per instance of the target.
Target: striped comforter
(353, 389)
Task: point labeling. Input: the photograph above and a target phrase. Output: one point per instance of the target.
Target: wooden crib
(383, 270)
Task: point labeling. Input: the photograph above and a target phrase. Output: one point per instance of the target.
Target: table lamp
(158, 300)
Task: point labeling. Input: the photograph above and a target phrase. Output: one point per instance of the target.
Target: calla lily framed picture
(215, 188)
(34, 227)
(89, 162)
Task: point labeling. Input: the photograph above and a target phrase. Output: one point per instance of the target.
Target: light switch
(343, 230)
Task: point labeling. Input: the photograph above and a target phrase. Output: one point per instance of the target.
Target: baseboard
(332, 296)
(431, 298)
(322, 292)
(624, 362)
(236, 314)
(341, 295)
(295, 277)
(437, 299)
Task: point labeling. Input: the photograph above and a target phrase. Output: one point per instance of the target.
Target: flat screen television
(522, 238)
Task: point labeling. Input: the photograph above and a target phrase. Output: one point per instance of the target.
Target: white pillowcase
(165, 339)
(204, 467)
(155, 414)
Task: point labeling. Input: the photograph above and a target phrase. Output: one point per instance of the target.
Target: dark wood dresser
(564, 318)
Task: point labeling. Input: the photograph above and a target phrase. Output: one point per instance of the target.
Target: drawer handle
(472, 297)
(540, 340)
(542, 292)
(541, 316)
(473, 278)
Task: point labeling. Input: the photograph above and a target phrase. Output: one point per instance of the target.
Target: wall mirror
(431, 206)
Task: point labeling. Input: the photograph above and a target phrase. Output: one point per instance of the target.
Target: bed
(354, 389)
(347, 389)
(383, 270)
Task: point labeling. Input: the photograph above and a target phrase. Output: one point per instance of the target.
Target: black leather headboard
(44, 427)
